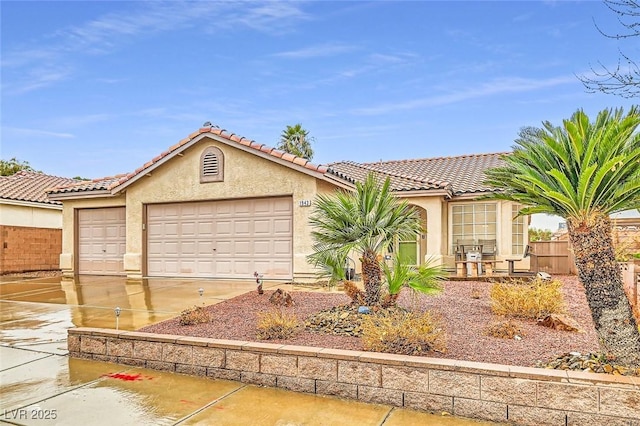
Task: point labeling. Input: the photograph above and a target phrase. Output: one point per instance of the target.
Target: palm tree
(295, 140)
(365, 221)
(584, 171)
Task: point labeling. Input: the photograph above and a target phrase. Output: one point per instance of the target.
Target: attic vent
(211, 165)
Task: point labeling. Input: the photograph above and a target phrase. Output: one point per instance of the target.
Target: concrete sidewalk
(40, 384)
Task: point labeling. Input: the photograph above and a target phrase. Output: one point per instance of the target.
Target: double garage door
(221, 239)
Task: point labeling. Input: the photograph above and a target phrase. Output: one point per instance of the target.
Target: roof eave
(423, 193)
(472, 195)
(94, 193)
(24, 203)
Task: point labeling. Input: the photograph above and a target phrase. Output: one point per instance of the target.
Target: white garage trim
(221, 239)
(101, 241)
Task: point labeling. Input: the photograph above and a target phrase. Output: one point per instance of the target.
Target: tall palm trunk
(372, 277)
(602, 280)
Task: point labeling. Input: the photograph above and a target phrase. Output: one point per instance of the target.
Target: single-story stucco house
(218, 205)
(30, 222)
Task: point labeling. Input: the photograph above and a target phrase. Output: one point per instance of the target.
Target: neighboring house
(30, 222)
(222, 206)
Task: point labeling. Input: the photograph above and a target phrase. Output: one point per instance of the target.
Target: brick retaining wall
(519, 395)
(24, 249)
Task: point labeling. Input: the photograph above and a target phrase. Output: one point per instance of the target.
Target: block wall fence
(24, 249)
(516, 395)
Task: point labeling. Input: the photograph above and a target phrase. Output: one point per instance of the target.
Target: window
(473, 222)
(517, 230)
(212, 165)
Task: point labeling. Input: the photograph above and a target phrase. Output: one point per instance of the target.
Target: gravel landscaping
(463, 308)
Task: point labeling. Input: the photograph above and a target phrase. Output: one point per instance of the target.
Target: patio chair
(488, 249)
(462, 247)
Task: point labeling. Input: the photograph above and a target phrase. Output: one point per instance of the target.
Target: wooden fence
(553, 257)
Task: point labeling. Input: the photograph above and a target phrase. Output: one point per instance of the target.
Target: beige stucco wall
(31, 216)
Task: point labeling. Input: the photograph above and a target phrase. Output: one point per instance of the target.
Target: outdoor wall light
(117, 310)
(201, 291)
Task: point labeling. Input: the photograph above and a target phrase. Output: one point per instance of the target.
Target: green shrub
(195, 315)
(402, 332)
(276, 324)
(534, 300)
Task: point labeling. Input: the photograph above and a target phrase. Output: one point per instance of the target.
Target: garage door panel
(242, 228)
(204, 248)
(282, 226)
(242, 208)
(282, 207)
(262, 227)
(242, 268)
(101, 241)
(242, 248)
(262, 247)
(188, 229)
(224, 227)
(226, 239)
(224, 268)
(282, 248)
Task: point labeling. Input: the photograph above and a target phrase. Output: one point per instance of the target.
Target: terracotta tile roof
(461, 175)
(355, 172)
(31, 187)
(455, 175)
(110, 183)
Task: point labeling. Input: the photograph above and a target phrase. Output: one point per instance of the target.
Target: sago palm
(295, 140)
(365, 221)
(421, 279)
(584, 171)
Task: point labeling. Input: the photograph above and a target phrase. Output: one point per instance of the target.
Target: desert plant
(422, 279)
(195, 315)
(534, 300)
(583, 171)
(365, 221)
(276, 324)
(402, 332)
(507, 329)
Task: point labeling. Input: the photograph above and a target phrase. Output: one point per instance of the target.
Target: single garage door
(101, 241)
(221, 239)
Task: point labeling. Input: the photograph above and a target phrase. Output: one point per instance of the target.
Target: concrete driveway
(40, 384)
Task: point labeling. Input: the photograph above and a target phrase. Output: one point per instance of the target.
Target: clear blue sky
(98, 88)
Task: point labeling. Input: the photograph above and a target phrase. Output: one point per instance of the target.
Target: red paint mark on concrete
(125, 377)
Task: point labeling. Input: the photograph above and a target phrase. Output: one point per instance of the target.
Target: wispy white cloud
(77, 121)
(322, 50)
(36, 78)
(104, 34)
(492, 88)
(9, 131)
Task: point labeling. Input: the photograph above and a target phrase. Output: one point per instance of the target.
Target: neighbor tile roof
(109, 183)
(31, 186)
(461, 175)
